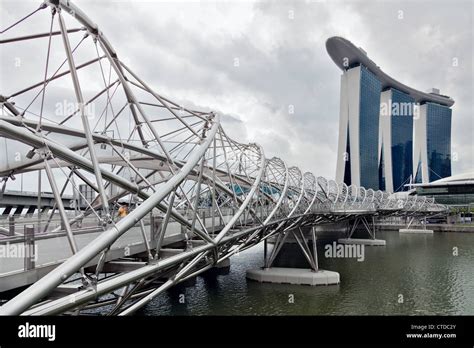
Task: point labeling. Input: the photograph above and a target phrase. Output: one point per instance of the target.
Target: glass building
(360, 106)
(370, 88)
(438, 133)
(432, 150)
(454, 190)
(392, 149)
(396, 140)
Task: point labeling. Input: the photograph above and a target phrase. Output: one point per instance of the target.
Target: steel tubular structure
(174, 168)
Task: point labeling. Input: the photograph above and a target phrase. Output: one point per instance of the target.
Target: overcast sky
(256, 61)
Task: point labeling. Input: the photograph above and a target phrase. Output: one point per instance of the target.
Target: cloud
(264, 67)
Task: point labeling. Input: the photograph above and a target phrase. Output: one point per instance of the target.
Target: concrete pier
(299, 276)
(449, 228)
(223, 264)
(368, 242)
(415, 231)
(222, 268)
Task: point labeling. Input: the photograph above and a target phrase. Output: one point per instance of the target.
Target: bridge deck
(53, 249)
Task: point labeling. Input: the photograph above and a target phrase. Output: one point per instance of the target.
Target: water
(421, 268)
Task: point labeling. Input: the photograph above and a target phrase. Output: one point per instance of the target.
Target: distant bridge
(19, 203)
(196, 196)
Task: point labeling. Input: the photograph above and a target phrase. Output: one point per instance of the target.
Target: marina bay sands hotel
(390, 134)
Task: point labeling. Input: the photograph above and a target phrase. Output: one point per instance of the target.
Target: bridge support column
(294, 275)
(157, 233)
(368, 225)
(222, 268)
(11, 225)
(29, 246)
(422, 230)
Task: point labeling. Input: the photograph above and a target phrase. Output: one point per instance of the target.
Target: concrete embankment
(434, 227)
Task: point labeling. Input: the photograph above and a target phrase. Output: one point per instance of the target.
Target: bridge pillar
(156, 233)
(293, 274)
(367, 224)
(412, 230)
(29, 247)
(11, 225)
(222, 268)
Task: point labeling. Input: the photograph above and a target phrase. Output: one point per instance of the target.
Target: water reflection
(412, 275)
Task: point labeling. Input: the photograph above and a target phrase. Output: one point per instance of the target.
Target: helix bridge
(194, 196)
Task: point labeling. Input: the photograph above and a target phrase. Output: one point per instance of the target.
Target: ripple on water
(422, 269)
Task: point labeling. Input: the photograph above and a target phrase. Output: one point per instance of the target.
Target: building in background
(385, 126)
(432, 150)
(359, 127)
(456, 190)
(87, 194)
(395, 140)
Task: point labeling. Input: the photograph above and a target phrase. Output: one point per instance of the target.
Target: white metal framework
(175, 169)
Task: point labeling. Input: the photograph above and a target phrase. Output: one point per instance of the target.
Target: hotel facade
(390, 135)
